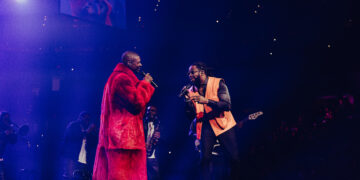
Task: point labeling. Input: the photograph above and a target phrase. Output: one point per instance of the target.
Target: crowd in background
(317, 143)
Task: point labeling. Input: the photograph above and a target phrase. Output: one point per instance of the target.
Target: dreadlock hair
(202, 66)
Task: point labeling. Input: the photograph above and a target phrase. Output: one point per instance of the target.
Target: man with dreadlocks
(209, 102)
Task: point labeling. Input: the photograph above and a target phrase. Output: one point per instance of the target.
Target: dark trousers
(230, 143)
(75, 171)
(2, 170)
(152, 169)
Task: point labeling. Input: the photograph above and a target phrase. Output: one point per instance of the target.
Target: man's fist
(200, 99)
(148, 78)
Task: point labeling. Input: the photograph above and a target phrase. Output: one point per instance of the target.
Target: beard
(195, 81)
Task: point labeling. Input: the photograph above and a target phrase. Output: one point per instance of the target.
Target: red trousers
(120, 164)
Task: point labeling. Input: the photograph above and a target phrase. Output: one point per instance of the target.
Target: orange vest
(220, 124)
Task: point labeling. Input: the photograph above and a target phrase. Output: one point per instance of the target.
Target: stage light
(21, 1)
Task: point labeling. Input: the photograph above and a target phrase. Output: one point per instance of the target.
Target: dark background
(276, 56)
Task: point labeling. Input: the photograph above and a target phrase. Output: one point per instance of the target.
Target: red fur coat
(121, 125)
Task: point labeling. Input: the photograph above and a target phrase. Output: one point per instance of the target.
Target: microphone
(184, 90)
(152, 82)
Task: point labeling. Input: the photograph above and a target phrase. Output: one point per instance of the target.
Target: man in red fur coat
(121, 152)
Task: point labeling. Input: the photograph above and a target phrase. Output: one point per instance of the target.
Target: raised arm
(132, 95)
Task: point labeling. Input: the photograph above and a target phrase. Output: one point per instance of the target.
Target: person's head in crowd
(151, 113)
(5, 119)
(84, 118)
